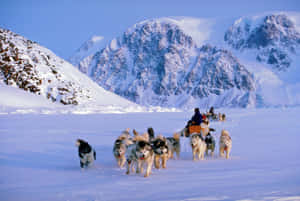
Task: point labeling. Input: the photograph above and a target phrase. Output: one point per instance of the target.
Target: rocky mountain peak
(274, 37)
(158, 63)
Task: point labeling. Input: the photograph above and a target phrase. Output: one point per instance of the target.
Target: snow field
(39, 160)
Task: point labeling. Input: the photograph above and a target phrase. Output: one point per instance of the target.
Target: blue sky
(63, 25)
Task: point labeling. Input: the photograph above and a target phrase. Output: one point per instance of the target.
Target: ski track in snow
(39, 160)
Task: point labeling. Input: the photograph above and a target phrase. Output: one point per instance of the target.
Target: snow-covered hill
(163, 62)
(28, 66)
(88, 48)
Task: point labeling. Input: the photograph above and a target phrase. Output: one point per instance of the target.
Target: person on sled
(196, 120)
(197, 117)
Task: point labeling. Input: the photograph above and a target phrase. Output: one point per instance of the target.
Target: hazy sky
(63, 25)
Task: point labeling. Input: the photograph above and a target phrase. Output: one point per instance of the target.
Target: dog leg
(123, 160)
(194, 155)
(164, 161)
(119, 162)
(132, 166)
(169, 154)
(138, 168)
(227, 153)
(221, 152)
(81, 165)
(128, 164)
(212, 153)
(156, 161)
(199, 155)
(149, 166)
(202, 154)
(142, 167)
(178, 153)
(172, 154)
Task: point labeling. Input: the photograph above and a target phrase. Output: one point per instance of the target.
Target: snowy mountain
(26, 65)
(88, 48)
(269, 46)
(274, 38)
(163, 62)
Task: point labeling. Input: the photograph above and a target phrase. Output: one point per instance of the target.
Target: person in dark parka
(197, 117)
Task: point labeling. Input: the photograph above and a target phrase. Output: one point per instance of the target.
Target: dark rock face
(275, 39)
(26, 65)
(156, 63)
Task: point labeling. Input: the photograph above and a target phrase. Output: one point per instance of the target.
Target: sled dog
(120, 146)
(140, 154)
(210, 144)
(222, 117)
(173, 144)
(198, 146)
(86, 154)
(161, 151)
(225, 143)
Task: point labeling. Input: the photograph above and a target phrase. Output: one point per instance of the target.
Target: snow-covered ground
(39, 160)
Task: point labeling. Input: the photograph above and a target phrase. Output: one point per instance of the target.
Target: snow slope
(88, 48)
(39, 161)
(17, 101)
(27, 66)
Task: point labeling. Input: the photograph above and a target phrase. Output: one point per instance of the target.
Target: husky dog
(161, 151)
(173, 144)
(141, 154)
(198, 146)
(86, 154)
(120, 146)
(225, 143)
(151, 134)
(222, 117)
(119, 152)
(210, 144)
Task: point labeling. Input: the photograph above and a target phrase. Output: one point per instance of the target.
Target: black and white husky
(140, 154)
(86, 154)
(210, 144)
(173, 144)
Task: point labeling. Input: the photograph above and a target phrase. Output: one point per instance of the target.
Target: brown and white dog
(222, 117)
(198, 146)
(225, 143)
(120, 146)
(161, 151)
(173, 144)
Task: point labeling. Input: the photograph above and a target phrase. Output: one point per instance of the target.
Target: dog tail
(135, 133)
(176, 136)
(151, 133)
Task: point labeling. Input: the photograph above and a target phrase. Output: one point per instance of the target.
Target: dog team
(139, 151)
